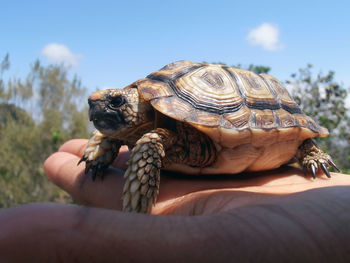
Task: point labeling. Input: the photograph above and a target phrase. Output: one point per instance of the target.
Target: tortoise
(199, 118)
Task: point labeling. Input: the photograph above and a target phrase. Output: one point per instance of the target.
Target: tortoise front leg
(311, 158)
(143, 174)
(100, 153)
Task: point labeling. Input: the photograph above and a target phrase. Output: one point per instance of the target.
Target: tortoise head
(118, 112)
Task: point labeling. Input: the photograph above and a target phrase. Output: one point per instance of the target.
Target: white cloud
(59, 53)
(265, 35)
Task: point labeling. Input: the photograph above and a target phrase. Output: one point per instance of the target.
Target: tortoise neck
(132, 135)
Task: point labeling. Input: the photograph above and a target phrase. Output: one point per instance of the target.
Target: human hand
(268, 216)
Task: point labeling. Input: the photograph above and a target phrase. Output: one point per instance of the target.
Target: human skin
(275, 216)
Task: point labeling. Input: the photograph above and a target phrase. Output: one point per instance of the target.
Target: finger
(319, 232)
(62, 169)
(77, 147)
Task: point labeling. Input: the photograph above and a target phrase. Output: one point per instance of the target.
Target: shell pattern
(215, 95)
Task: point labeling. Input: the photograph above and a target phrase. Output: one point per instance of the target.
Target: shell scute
(257, 94)
(205, 118)
(238, 120)
(286, 100)
(151, 89)
(263, 119)
(180, 110)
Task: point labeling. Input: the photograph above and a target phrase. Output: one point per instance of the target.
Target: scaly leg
(312, 158)
(143, 174)
(155, 150)
(100, 153)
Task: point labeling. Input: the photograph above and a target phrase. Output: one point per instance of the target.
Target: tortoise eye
(117, 101)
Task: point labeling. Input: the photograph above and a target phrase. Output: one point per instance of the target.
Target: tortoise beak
(97, 107)
(90, 114)
(94, 106)
(96, 103)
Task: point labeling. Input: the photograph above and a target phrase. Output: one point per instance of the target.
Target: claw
(325, 170)
(87, 167)
(81, 160)
(313, 171)
(333, 165)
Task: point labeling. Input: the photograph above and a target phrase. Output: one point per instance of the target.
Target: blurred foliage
(258, 69)
(36, 116)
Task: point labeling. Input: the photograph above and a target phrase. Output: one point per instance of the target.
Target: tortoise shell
(249, 116)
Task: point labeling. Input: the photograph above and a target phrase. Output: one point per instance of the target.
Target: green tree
(36, 116)
(258, 69)
(4, 65)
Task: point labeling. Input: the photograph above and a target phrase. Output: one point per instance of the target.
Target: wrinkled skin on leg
(143, 174)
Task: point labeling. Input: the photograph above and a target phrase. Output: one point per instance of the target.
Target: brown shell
(227, 103)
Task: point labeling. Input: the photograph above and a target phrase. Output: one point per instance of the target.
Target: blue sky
(113, 43)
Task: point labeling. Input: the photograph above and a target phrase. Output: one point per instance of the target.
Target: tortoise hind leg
(312, 158)
(143, 174)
